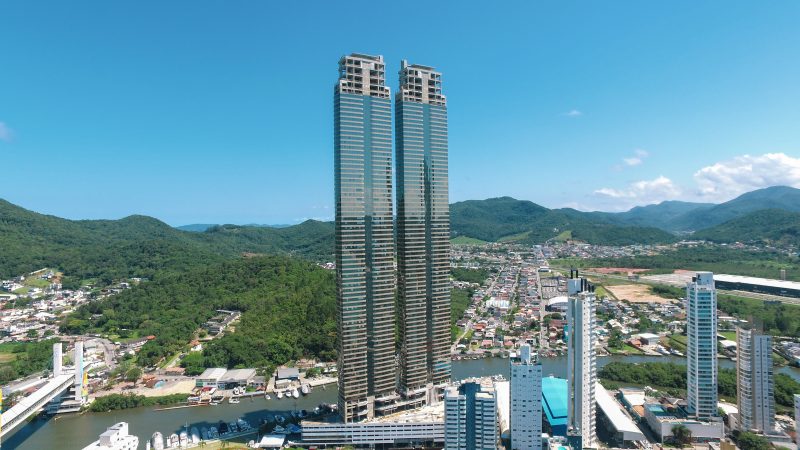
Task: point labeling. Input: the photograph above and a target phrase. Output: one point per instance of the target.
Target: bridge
(29, 405)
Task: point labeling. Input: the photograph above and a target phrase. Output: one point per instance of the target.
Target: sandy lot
(619, 270)
(634, 293)
(170, 387)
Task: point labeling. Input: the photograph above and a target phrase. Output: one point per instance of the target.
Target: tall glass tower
(423, 233)
(581, 363)
(701, 347)
(364, 236)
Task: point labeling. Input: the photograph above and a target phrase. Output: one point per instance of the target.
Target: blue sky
(221, 111)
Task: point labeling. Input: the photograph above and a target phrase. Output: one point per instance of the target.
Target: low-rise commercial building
(663, 418)
(419, 428)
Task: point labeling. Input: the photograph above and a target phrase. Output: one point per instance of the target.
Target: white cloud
(637, 158)
(725, 180)
(640, 193)
(5, 132)
(573, 113)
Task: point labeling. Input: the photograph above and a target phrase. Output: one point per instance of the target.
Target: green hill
(287, 306)
(660, 215)
(774, 226)
(139, 245)
(775, 197)
(506, 218)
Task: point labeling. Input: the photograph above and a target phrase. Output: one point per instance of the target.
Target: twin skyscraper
(374, 300)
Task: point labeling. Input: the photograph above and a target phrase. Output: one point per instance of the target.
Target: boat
(295, 393)
(279, 395)
(213, 433)
(195, 435)
(223, 428)
(305, 389)
(233, 400)
(174, 441)
(243, 425)
(279, 430)
(280, 419)
(184, 439)
(204, 433)
(267, 397)
(157, 441)
(232, 426)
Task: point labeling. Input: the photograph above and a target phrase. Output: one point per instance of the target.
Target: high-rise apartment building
(470, 421)
(581, 363)
(797, 416)
(364, 241)
(526, 401)
(755, 389)
(423, 233)
(701, 348)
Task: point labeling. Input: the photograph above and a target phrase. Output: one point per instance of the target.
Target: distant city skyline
(217, 114)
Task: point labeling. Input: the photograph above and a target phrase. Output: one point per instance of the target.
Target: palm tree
(682, 434)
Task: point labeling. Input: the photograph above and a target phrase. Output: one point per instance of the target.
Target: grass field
(465, 240)
(6, 358)
(729, 335)
(514, 237)
(563, 236)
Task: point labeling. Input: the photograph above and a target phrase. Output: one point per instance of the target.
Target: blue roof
(554, 400)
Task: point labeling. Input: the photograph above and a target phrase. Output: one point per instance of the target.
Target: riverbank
(76, 431)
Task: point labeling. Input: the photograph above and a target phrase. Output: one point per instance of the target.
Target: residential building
(581, 363)
(423, 233)
(116, 437)
(526, 401)
(364, 241)
(797, 416)
(754, 381)
(470, 421)
(701, 348)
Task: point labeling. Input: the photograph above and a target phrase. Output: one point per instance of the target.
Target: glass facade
(364, 244)
(423, 230)
(701, 348)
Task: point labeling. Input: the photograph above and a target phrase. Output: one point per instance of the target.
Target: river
(77, 431)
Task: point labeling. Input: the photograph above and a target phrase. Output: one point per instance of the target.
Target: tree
(133, 374)
(752, 441)
(682, 435)
(32, 334)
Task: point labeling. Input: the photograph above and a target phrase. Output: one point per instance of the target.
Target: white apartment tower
(470, 421)
(754, 382)
(526, 401)
(581, 362)
(797, 415)
(701, 348)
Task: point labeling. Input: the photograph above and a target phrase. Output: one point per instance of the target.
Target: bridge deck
(32, 403)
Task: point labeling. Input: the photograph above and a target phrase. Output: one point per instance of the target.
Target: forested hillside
(287, 306)
(508, 219)
(138, 245)
(770, 226)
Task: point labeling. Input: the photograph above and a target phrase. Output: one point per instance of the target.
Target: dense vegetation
(114, 402)
(470, 275)
(779, 319)
(506, 218)
(287, 306)
(771, 226)
(139, 246)
(672, 377)
(20, 359)
(713, 258)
